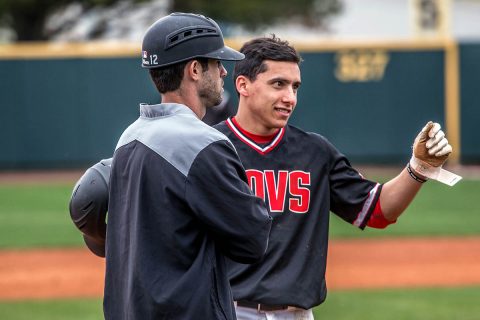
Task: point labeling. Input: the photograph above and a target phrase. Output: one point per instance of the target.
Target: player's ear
(193, 69)
(242, 84)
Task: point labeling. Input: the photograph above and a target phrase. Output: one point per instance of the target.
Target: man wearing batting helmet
(171, 184)
(302, 177)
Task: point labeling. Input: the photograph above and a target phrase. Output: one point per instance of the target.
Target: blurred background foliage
(253, 14)
(27, 18)
(30, 20)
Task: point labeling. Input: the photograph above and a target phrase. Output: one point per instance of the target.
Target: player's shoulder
(222, 127)
(307, 136)
(183, 130)
(212, 138)
(213, 132)
(189, 130)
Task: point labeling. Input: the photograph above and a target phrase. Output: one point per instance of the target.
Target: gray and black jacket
(178, 203)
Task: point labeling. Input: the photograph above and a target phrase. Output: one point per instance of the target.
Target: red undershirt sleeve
(377, 219)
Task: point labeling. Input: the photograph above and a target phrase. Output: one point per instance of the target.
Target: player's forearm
(397, 194)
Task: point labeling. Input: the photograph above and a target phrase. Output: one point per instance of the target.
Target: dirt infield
(380, 263)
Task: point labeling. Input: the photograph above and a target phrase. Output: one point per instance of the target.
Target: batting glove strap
(419, 167)
(414, 176)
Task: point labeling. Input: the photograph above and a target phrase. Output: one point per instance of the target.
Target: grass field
(77, 309)
(438, 210)
(36, 216)
(408, 304)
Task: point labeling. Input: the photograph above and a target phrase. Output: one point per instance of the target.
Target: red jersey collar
(253, 140)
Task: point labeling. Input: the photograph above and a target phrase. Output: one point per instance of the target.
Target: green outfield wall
(470, 102)
(66, 106)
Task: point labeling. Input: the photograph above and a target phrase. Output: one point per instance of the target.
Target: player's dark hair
(258, 50)
(168, 78)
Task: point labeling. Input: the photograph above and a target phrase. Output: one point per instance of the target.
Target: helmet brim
(97, 246)
(225, 53)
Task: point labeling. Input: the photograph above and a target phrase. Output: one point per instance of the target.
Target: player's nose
(290, 96)
(223, 71)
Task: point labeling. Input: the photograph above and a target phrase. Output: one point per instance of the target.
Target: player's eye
(278, 84)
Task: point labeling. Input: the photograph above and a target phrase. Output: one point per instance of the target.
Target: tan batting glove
(430, 151)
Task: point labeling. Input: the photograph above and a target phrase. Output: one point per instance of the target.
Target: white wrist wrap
(435, 173)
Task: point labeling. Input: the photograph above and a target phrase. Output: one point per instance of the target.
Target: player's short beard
(209, 92)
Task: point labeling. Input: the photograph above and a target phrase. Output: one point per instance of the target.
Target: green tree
(253, 14)
(27, 17)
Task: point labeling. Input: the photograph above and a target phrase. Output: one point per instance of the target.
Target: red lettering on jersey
(276, 185)
(298, 187)
(276, 189)
(255, 180)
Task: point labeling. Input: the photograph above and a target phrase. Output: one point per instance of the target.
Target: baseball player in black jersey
(302, 177)
(171, 184)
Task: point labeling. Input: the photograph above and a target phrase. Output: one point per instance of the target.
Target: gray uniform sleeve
(89, 205)
(218, 193)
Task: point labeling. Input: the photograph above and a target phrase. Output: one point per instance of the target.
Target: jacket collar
(164, 110)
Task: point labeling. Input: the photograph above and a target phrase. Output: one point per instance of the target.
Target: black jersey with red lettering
(302, 177)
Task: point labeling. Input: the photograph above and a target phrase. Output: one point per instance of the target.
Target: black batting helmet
(89, 205)
(180, 37)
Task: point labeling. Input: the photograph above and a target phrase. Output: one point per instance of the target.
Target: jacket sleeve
(218, 193)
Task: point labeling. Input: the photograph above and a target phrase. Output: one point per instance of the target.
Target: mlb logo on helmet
(145, 60)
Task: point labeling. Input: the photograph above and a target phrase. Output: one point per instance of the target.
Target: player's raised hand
(431, 146)
(430, 151)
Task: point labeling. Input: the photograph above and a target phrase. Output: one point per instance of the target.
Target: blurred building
(368, 18)
(359, 19)
(392, 18)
